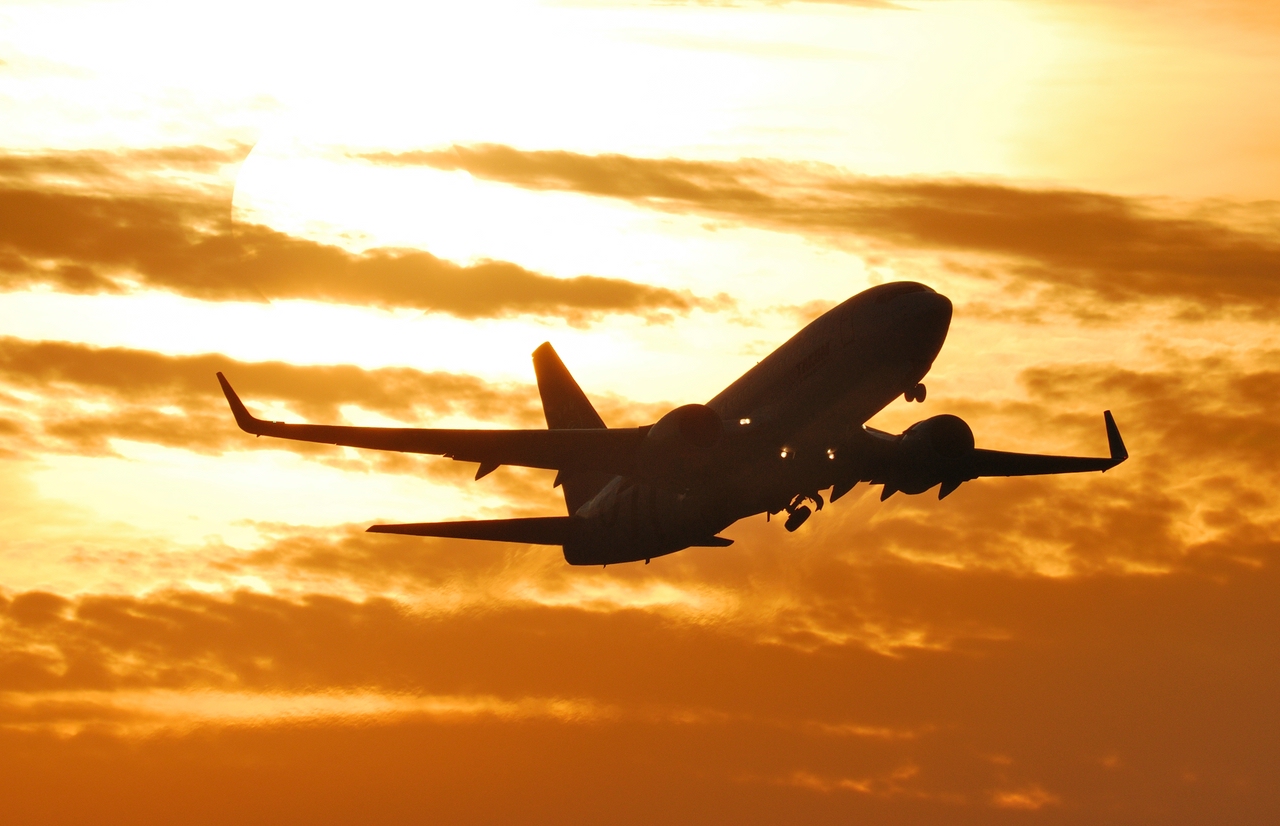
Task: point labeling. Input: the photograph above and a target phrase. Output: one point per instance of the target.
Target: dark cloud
(1112, 247)
(181, 240)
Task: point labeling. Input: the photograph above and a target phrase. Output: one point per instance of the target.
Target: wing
(982, 462)
(882, 462)
(999, 463)
(610, 450)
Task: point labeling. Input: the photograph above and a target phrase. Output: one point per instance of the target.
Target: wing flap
(609, 450)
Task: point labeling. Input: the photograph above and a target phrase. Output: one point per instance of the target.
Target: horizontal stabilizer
(538, 530)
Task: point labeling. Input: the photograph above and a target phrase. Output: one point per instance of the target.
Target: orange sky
(373, 214)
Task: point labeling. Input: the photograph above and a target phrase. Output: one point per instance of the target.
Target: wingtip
(1118, 451)
(244, 418)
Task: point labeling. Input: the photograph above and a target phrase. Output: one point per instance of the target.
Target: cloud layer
(1114, 695)
(104, 236)
(80, 400)
(1108, 247)
(906, 660)
(197, 628)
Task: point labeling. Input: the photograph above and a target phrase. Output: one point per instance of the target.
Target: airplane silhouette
(790, 427)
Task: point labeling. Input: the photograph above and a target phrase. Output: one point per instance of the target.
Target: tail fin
(566, 407)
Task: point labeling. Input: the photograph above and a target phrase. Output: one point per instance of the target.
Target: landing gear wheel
(797, 518)
(915, 394)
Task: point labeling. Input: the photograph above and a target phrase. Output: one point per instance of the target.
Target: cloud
(912, 660)
(80, 399)
(100, 239)
(1116, 248)
(146, 169)
(317, 391)
(88, 396)
(1196, 495)
(1170, 673)
(1217, 413)
(1198, 482)
(1192, 424)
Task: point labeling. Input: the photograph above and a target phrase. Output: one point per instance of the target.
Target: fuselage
(791, 422)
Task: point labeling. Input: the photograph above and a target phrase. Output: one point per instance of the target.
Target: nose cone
(925, 318)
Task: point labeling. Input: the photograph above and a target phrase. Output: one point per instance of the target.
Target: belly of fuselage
(631, 520)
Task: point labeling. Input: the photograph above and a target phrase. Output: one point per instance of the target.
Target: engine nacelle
(931, 452)
(680, 443)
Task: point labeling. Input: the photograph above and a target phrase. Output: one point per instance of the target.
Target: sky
(373, 213)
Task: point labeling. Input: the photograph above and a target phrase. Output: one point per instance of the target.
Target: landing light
(744, 421)
(785, 453)
(831, 453)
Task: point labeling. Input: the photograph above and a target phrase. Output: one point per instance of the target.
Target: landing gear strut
(915, 394)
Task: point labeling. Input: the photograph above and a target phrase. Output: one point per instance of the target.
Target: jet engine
(930, 452)
(680, 442)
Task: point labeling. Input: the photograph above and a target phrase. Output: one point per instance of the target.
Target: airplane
(789, 428)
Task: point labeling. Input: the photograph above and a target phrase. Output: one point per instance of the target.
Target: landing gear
(798, 512)
(801, 498)
(915, 394)
(797, 518)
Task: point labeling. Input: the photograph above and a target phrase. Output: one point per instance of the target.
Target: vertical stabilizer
(566, 407)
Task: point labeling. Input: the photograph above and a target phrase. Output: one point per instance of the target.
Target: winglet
(243, 418)
(1118, 452)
